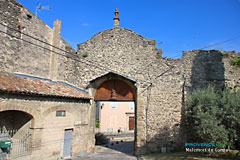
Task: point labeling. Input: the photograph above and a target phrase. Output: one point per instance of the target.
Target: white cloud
(84, 24)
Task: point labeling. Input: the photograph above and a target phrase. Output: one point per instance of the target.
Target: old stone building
(118, 56)
(49, 117)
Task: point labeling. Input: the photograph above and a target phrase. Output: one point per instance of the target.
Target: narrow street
(120, 147)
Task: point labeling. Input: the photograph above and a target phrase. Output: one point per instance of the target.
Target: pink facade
(113, 115)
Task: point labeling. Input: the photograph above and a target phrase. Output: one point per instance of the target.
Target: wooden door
(131, 123)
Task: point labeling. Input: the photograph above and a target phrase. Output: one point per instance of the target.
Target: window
(113, 104)
(131, 105)
(60, 113)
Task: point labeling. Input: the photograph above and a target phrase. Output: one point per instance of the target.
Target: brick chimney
(53, 64)
(116, 19)
(57, 27)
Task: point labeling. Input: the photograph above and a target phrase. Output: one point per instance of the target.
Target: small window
(113, 104)
(131, 105)
(60, 113)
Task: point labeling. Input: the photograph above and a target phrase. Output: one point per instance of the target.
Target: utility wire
(33, 37)
(45, 48)
(45, 143)
(89, 61)
(151, 84)
(234, 38)
(176, 56)
(221, 42)
(71, 57)
(98, 66)
(179, 55)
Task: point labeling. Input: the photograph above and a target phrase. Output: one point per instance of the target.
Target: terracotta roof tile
(23, 85)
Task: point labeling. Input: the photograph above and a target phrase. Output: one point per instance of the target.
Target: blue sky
(176, 25)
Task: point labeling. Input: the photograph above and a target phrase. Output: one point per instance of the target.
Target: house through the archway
(114, 116)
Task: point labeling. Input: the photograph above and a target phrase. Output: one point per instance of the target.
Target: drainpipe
(148, 101)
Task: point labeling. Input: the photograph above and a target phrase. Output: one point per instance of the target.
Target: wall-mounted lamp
(102, 105)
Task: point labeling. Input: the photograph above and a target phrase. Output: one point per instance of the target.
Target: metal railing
(11, 132)
(20, 147)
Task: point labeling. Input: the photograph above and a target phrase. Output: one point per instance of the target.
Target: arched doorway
(15, 126)
(115, 106)
(13, 121)
(115, 99)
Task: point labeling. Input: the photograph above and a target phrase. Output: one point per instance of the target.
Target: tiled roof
(27, 85)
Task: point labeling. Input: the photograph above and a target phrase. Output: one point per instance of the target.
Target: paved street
(115, 150)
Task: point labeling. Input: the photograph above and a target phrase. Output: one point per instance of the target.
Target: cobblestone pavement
(115, 150)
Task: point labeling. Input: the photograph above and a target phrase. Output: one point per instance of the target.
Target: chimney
(53, 65)
(116, 19)
(57, 27)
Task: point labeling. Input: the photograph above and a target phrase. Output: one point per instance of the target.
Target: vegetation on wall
(159, 53)
(236, 61)
(97, 124)
(211, 116)
(85, 54)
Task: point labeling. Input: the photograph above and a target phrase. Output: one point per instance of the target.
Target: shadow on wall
(169, 136)
(207, 69)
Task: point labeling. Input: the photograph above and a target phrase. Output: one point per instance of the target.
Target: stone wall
(212, 67)
(162, 83)
(26, 46)
(125, 52)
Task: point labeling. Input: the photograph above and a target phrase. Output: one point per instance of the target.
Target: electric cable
(71, 57)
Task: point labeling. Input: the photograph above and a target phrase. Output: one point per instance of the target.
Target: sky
(175, 25)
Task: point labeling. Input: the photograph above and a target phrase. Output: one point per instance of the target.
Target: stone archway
(115, 88)
(19, 107)
(17, 124)
(15, 121)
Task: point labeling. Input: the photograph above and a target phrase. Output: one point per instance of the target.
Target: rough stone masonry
(161, 83)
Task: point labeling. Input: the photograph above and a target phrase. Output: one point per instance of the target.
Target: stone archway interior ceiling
(18, 111)
(114, 90)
